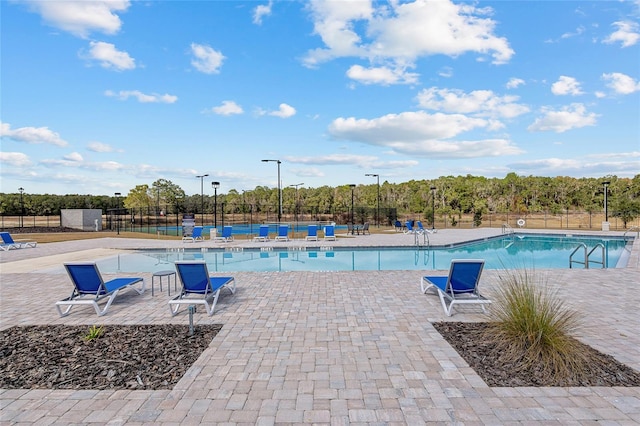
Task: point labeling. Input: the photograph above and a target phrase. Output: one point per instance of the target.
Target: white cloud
(81, 17)
(381, 75)
(569, 117)
(362, 161)
(480, 102)
(419, 133)
(402, 32)
(100, 147)
(206, 59)
(577, 32)
(17, 159)
(123, 95)
(621, 83)
(228, 108)
(110, 57)
(74, 156)
(285, 111)
(76, 161)
(566, 86)
(598, 165)
(31, 135)
(627, 33)
(261, 11)
(514, 83)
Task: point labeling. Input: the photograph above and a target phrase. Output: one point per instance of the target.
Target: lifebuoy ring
(521, 222)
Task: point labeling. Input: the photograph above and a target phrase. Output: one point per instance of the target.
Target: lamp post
(606, 192)
(279, 188)
(215, 186)
(117, 194)
(296, 185)
(201, 177)
(352, 186)
(378, 200)
(433, 208)
(21, 189)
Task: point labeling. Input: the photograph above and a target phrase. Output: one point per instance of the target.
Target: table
(167, 274)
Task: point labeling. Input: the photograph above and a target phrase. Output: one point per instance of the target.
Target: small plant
(94, 333)
(531, 326)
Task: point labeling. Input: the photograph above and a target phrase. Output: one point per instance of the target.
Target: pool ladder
(587, 255)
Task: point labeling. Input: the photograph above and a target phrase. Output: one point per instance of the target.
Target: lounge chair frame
(94, 291)
(227, 234)
(330, 232)
(460, 287)
(196, 235)
(312, 233)
(263, 234)
(204, 288)
(9, 243)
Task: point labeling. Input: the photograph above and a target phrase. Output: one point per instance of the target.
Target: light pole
(606, 192)
(353, 225)
(279, 188)
(378, 200)
(117, 194)
(296, 185)
(21, 189)
(215, 186)
(433, 208)
(201, 177)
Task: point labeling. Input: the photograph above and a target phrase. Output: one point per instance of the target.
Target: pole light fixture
(201, 177)
(279, 188)
(433, 208)
(606, 193)
(378, 199)
(296, 185)
(352, 186)
(117, 194)
(21, 189)
(215, 186)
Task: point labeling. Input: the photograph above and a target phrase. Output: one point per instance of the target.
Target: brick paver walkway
(350, 348)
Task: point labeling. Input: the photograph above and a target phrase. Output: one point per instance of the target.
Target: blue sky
(100, 96)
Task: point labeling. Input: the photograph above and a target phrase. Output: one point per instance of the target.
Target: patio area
(350, 348)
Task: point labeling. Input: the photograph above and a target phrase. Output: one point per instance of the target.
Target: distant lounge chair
(196, 235)
(197, 283)
(365, 229)
(283, 233)
(398, 226)
(350, 229)
(9, 243)
(409, 228)
(263, 234)
(312, 233)
(227, 234)
(330, 233)
(459, 287)
(87, 282)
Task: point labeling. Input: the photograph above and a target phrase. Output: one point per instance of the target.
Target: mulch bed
(466, 338)
(124, 357)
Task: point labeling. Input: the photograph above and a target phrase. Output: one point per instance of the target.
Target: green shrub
(94, 333)
(531, 326)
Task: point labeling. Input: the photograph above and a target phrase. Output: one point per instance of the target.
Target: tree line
(446, 196)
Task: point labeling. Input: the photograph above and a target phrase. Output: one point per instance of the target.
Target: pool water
(507, 252)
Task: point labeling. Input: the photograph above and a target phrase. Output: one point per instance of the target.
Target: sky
(97, 97)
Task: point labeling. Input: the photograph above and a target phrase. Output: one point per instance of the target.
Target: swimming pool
(511, 252)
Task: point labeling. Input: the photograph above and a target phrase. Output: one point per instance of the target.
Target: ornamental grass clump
(531, 327)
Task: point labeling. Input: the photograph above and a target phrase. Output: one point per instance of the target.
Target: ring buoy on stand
(521, 222)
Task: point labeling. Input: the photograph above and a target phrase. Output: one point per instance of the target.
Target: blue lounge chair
(312, 233)
(8, 242)
(365, 229)
(227, 234)
(409, 228)
(283, 233)
(87, 282)
(196, 235)
(330, 233)
(459, 287)
(398, 226)
(421, 229)
(198, 286)
(263, 233)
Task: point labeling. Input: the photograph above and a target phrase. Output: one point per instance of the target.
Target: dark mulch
(40, 229)
(467, 340)
(124, 357)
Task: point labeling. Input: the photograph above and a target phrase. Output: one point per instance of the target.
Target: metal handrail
(586, 257)
(595, 261)
(633, 228)
(507, 229)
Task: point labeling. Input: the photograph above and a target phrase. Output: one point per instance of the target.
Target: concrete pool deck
(322, 347)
